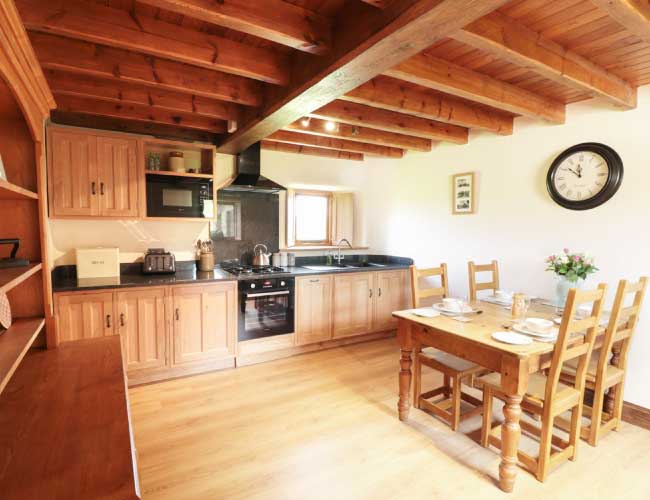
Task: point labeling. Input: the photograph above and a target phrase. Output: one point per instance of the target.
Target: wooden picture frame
(463, 194)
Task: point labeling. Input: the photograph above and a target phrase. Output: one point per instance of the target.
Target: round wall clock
(585, 176)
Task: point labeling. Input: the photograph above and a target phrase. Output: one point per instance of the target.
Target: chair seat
(565, 397)
(448, 363)
(613, 374)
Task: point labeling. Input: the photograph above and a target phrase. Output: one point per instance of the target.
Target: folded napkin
(425, 312)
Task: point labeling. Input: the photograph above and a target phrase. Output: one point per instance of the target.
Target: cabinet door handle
(121, 319)
(101, 188)
(380, 292)
(108, 321)
(314, 281)
(370, 293)
(178, 314)
(93, 188)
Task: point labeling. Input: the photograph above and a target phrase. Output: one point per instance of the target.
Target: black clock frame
(614, 179)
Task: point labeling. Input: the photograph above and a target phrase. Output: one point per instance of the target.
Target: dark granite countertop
(64, 278)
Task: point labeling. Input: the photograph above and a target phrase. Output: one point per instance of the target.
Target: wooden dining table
(473, 341)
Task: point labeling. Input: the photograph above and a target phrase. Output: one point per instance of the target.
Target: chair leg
(455, 403)
(417, 380)
(446, 382)
(618, 405)
(574, 431)
(544, 447)
(486, 428)
(596, 415)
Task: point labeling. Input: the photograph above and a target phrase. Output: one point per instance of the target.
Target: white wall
(409, 210)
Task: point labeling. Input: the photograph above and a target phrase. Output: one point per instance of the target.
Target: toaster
(159, 261)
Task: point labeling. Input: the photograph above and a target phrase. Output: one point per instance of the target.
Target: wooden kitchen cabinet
(353, 304)
(391, 294)
(118, 176)
(84, 315)
(140, 321)
(204, 322)
(72, 180)
(313, 309)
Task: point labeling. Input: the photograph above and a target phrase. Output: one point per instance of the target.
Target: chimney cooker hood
(248, 177)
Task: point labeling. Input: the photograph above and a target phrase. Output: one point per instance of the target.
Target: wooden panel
(72, 168)
(391, 295)
(296, 137)
(141, 324)
(311, 151)
(65, 425)
(14, 276)
(634, 15)
(17, 146)
(84, 315)
(353, 304)
(118, 176)
(313, 309)
(274, 20)
(14, 344)
(120, 29)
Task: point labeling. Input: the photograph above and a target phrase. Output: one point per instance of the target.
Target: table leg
(406, 360)
(510, 433)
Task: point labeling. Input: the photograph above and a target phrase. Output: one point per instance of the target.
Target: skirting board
(636, 415)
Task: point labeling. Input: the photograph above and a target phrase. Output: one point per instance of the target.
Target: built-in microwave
(169, 196)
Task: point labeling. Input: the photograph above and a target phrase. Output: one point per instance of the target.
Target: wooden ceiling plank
(450, 78)
(301, 139)
(275, 20)
(121, 29)
(120, 65)
(390, 121)
(390, 94)
(366, 43)
(506, 38)
(138, 113)
(362, 134)
(309, 150)
(127, 93)
(634, 15)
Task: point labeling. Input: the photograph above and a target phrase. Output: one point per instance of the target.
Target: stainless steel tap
(340, 257)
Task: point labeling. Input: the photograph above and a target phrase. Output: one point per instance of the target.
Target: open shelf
(178, 174)
(14, 344)
(13, 276)
(9, 191)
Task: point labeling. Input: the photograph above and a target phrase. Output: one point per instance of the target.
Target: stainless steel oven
(266, 307)
(169, 196)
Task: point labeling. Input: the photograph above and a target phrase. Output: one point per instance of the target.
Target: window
(311, 219)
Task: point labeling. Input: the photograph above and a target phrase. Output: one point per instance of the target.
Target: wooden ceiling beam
(390, 121)
(450, 78)
(507, 39)
(366, 44)
(361, 134)
(274, 20)
(302, 139)
(118, 28)
(633, 15)
(138, 113)
(127, 93)
(394, 95)
(55, 52)
(310, 150)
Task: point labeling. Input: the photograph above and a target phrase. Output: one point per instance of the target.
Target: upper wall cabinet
(92, 175)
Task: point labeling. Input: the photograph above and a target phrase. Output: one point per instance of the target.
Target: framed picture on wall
(463, 194)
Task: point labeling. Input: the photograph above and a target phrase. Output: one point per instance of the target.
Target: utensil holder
(206, 262)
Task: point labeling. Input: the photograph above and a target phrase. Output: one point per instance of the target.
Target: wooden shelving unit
(9, 191)
(14, 344)
(14, 276)
(178, 174)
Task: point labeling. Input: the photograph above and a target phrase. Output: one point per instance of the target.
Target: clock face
(585, 176)
(581, 176)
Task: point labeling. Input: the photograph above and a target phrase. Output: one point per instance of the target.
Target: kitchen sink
(366, 264)
(341, 267)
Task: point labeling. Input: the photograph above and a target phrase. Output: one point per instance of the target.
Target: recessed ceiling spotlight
(330, 126)
(305, 122)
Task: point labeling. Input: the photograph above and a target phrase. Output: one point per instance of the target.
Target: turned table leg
(608, 406)
(406, 360)
(510, 433)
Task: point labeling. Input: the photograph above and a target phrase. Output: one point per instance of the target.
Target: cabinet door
(352, 304)
(73, 184)
(140, 322)
(391, 294)
(205, 322)
(84, 315)
(313, 309)
(118, 176)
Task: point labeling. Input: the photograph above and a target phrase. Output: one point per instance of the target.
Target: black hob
(242, 270)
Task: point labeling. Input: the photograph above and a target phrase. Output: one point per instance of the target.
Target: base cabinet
(391, 294)
(353, 299)
(313, 309)
(84, 315)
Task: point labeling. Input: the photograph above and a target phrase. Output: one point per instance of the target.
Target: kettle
(261, 258)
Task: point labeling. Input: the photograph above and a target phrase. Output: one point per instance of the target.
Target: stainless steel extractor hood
(248, 176)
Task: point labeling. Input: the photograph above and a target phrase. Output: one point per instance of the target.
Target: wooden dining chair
(474, 269)
(546, 395)
(443, 401)
(603, 375)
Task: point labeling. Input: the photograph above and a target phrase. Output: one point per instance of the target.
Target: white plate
(425, 312)
(440, 307)
(552, 335)
(512, 338)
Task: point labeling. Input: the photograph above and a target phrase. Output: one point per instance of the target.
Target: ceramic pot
(562, 288)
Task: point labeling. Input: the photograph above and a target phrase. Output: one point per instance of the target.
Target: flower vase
(562, 290)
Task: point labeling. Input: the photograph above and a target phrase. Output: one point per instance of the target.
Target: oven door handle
(267, 294)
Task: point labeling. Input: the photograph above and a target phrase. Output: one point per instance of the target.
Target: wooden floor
(324, 426)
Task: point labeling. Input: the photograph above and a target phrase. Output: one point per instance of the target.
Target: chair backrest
(419, 293)
(622, 322)
(473, 269)
(570, 325)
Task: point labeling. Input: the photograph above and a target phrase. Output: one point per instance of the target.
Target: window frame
(313, 243)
